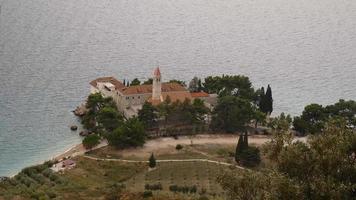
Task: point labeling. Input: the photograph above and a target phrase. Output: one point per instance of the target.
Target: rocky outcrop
(74, 128)
(80, 110)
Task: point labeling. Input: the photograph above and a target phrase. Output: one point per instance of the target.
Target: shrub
(152, 161)
(179, 147)
(147, 194)
(91, 141)
(183, 189)
(250, 157)
(153, 186)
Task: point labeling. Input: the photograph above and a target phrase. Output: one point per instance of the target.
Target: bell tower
(156, 85)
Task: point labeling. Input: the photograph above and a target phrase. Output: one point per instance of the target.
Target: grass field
(203, 175)
(92, 179)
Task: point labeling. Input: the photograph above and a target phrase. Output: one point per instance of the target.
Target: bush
(152, 161)
(179, 147)
(250, 157)
(153, 186)
(147, 194)
(91, 141)
(183, 189)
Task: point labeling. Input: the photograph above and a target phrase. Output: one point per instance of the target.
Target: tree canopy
(313, 118)
(135, 82)
(195, 85)
(91, 141)
(232, 114)
(323, 168)
(239, 86)
(148, 115)
(130, 134)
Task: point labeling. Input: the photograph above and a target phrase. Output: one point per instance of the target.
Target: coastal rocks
(80, 110)
(74, 128)
(84, 133)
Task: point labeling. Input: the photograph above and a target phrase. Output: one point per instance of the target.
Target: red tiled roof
(199, 94)
(174, 96)
(142, 89)
(118, 85)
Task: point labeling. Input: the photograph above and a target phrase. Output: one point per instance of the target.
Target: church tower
(156, 86)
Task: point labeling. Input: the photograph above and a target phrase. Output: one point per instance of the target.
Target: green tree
(130, 134)
(194, 85)
(344, 109)
(95, 103)
(232, 114)
(152, 161)
(148, 82)
(313, 117)
(269, 100)
(199, 111)
(262, 100)
(91, 141)
(250, 157)
(239, 148)
(255, 185)
(326, 166)
(281, 137)
(135, 82)
(239, 86)
(109, 118)
(148, 115)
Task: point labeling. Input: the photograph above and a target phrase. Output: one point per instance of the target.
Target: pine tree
(269, 100)
(152, 161)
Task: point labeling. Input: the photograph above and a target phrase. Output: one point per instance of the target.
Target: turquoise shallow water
(50, 50)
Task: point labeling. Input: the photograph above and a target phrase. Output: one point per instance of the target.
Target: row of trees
(238, 104)
(149, 81)
(314, 117)
(323, 168)
(184, 113)
(246, 155)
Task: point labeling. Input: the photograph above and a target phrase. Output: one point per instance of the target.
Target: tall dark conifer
(269, 100)
(239, 148)
(245, 141)
(262, 100)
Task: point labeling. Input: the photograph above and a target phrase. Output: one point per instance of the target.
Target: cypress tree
(239, 148)
(245, 141)
(152, 161)
(200, 87)
(124, 82)
(269, 100)
(262, 100)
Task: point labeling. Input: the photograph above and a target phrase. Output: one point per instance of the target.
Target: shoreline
(162, 142)
(55, 157)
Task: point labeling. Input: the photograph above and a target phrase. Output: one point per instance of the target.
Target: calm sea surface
(50, 50)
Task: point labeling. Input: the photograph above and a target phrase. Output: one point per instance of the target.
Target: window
(127, 97)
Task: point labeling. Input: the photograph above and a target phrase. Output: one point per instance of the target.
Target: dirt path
(162, 161)
(168, 144)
